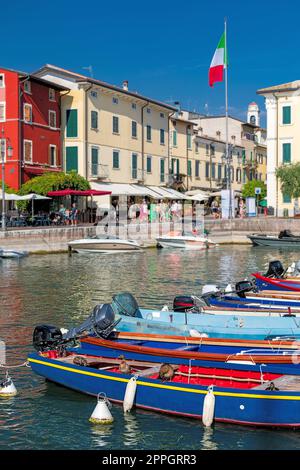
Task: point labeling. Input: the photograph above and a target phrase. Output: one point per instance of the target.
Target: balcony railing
(98, 171)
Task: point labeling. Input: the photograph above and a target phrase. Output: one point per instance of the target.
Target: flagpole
(228, 170)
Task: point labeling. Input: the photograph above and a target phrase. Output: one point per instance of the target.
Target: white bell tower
(253, 115)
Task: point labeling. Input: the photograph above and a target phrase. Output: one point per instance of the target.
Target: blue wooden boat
(243, 394)
(176, 350)
(213, 325)
(259, 304)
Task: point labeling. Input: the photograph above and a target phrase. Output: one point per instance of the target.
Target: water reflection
(207, 442)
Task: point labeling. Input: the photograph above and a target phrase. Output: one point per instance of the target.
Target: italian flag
(218, 63)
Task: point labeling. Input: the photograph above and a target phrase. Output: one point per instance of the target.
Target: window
(196, 147)
(148, 110)
(52, 155)
(174, 138)
(286, 199)
(219, 171)
(232, 174)
(162, 170)
(2, 83)
(149, 133)
(286, 115)
(2, 112)
(238, 175)
(27, 86)
(94, 161)
(162, 137)
(115, 100)
(27, 112)
(115, 125)
(94, 94)
(173, 161)
(244, 176)
(116, 159)
(28, 151)
(71, 119)
(189, 141)
(162, 115)
(94, 120)
(71, 159)
(177, 166)
(206, 170)
(149, 164)
(189, 167)
(134, 129)
(134, 158)
(207, 149)
(133, 105)
(212, 150)
(197, 168)
(286, 153)
(51, 94)
(213, 171)
(52, 119)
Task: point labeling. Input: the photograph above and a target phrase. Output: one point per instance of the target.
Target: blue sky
(163, 48)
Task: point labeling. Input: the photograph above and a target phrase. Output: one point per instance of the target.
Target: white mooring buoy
(208, 407)
(101, 413)
(7, 388)
(129, 395)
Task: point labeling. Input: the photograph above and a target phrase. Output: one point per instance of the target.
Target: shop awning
(76, 192)
(122, 189)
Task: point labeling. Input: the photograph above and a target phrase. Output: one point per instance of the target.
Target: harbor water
(62, 290)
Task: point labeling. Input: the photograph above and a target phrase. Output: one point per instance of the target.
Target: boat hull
(288, 242)
(104, 246)
(187, 244)
(248, 407)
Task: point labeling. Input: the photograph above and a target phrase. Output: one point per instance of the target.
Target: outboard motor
(46, 337)
(184, 303)
(125, 304)
(101, 322)
(275, 269)
(244, 286)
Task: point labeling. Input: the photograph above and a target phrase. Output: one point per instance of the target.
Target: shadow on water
(62, 290)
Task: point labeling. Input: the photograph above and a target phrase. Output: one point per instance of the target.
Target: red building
(29, 126)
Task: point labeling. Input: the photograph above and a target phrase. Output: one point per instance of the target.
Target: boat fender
(129, 395)
(208, 407)
(7, 388)
(101, 413)
(165, 308)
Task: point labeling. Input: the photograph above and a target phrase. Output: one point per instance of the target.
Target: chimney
(125, 85)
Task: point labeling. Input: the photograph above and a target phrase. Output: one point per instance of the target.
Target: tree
(53, 182)
(289, 176)
(249, 189)
(7, 188)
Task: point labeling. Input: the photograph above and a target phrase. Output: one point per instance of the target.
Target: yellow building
(283, 141)
(112, 134)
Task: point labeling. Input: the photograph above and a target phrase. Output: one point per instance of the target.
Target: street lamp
(9, 154)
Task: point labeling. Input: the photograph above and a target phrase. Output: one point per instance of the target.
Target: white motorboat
(12, 253)
(104, 245)
(188, 242)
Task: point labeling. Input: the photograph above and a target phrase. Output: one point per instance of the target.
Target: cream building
(283, 141)
(112, 134)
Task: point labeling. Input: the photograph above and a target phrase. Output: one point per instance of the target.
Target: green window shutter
(286, 115)
(115, 125)
(94, 119)
(162, 136)
(94, 161)
(189, 141)
(71, 159)
(286, 198)
(162, 170)
(189, 168)
(174, 138)
(149, 133)
(207, 170)
(134, 166)
(149, 164)
(133, 129)
(243, 156)
(286, 153)
(116, 161)
(72, 123)
(178, 166)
